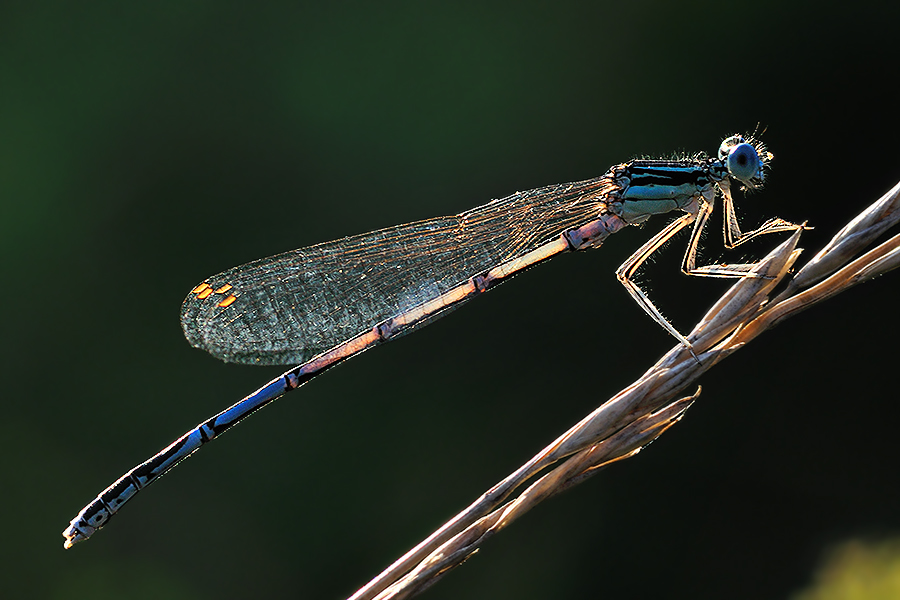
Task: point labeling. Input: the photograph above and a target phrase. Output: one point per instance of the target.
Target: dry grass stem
(640, 413)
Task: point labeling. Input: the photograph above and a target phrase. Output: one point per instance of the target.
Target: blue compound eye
(743, 162)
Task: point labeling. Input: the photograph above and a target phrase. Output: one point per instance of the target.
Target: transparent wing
(288, 308)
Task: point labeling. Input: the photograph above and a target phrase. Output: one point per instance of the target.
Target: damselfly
(320, 305)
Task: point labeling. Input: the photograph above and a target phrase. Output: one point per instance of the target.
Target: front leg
(733, 238)
(732, 229)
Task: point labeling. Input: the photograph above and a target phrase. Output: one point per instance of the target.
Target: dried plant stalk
(640, 413)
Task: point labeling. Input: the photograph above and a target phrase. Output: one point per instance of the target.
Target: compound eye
(729, 143)
(743, 162)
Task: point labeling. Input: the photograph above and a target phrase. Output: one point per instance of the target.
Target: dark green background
(147, 147)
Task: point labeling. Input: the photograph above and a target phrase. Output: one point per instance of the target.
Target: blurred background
(145, 147)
